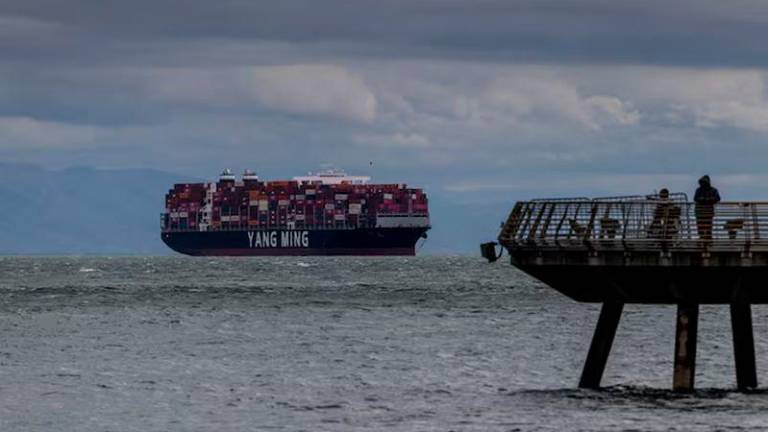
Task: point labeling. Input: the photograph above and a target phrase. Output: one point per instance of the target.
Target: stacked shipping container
(252, 204)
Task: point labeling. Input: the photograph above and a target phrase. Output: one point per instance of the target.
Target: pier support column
(743, 346)
(685, 347)
(601, 345)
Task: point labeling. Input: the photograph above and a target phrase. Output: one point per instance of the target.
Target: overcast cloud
(472, 99)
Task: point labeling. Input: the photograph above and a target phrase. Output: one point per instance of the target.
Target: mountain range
(88, 211)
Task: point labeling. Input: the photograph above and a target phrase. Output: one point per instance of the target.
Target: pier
(647, 250)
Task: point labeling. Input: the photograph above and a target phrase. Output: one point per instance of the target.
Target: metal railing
(639, 223)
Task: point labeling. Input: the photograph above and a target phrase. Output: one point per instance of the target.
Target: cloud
(732, 186)
(20, 29)
(456, 109)
(735, 114)
(593, 97)
(734, 99)
(709, 98)
(26, 133)
(321, 90)
(616, 183)
(315, 89)
(687, 32)
(523, 96)
(604, 110)
(412, 140)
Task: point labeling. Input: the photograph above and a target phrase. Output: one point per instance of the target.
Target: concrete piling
(743, 346)
(686, 333)
(607, 323)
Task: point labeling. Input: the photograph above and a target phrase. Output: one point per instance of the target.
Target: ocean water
(337, 344)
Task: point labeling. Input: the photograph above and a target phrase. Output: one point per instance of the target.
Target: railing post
(543, 233)
(576, 218)
(755, 224)
(591, 223)
(525, 219)
(535, 226)
(560, 223)
(627, 213)
(512, 224)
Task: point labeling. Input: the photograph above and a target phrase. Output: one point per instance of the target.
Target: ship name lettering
(270, 239)
(294, 239)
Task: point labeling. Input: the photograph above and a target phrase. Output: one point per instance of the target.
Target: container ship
(327, 213)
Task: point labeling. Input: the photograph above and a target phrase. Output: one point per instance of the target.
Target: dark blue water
(201, 344)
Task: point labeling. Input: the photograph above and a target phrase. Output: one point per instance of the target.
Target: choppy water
(166, 344)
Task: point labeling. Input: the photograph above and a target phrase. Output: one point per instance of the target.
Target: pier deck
(648, 250)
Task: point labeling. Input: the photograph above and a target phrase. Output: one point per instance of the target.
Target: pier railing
(642, 223)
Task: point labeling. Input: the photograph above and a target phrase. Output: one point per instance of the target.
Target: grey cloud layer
(462, 94)
(684, 32)
(433, 112)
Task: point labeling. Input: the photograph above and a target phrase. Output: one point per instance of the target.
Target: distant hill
(460, 228)
(83, 210)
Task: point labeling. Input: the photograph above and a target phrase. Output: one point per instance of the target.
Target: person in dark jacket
(706, 197)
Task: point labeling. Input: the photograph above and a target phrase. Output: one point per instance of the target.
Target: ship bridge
(648, 250)
(332, 176)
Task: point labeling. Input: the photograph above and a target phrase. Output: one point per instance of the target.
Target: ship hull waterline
(283, 242)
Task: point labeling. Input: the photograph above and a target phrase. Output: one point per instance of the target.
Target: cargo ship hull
(281, 242)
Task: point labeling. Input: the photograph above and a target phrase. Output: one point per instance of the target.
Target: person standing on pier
(666, 217)
(706, 197)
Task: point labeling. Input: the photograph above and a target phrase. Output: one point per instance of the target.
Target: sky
(474, 100)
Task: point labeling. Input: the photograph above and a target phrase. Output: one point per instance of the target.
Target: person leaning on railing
(666, 218)
(706, 197)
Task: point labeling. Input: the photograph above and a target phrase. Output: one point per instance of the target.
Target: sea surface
(340, 344)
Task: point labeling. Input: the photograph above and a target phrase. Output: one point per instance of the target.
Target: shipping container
(229, 204)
